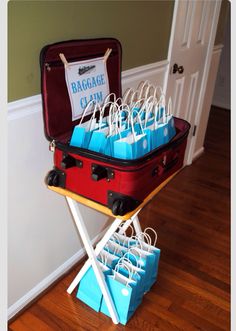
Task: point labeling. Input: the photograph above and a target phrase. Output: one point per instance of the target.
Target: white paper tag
(86, 80)
(125, 292)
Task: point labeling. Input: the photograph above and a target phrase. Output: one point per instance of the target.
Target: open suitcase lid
(58, 123)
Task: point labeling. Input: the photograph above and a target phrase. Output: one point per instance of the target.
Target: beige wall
(143, 27)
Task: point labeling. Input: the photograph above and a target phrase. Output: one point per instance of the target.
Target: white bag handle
(162, 104)
(136, 260)
(103, 258)
(140, 122)
(135, 249)
(126, 267)
(105, 105)
(129, 226)
(141, 237)
(96, 105)
(114, 248)
(116, 237)
(149, 105)
(136, 239)
(169, 109)
(123, 108)
(131, 119)
(107, 98)
(142, 85)
(113, 115)
(158, 87)
(155, 233)
(148, 89)
(127, 94)
(137, 100)
(118, 117)
(128, 264)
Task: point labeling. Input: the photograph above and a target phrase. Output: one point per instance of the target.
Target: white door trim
(204, 79)
(189, 157)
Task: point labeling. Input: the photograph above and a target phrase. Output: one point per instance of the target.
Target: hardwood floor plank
(30, 323)
(199, 321)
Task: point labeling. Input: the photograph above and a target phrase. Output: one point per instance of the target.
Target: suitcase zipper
(52, 145)
(59, 63)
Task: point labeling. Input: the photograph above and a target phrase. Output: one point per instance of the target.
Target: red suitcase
(119, 184)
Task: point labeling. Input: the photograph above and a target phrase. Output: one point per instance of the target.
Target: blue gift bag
(171, 127)
(119, 128)
(132, 146)
(123, 292)
(81, 135)
(123, 240)
(115, 248)
(89, 291)
(82, 132)
(98, 140)
(170, 121)
(146, 261)
(146, 244)
(137, 274)
(153, 276)
(162, 135)
(109, 259)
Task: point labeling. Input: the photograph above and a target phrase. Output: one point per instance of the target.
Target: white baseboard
(221, 104)
(198, 153)
(50, 279)
(24, 107)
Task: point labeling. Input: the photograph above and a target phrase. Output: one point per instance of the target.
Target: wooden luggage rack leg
(93, 253)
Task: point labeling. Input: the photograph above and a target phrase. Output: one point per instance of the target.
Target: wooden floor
(192, 217)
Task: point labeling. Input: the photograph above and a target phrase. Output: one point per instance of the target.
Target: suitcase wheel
(53, 178)
(118, 207)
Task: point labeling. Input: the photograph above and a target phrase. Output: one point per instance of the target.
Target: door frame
(206, 69)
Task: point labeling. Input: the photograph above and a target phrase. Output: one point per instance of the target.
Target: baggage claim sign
(86, 80)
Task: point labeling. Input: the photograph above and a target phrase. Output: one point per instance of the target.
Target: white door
(192, 39)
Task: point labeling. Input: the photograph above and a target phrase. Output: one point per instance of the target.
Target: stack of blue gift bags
(130, 268)
(133, 126)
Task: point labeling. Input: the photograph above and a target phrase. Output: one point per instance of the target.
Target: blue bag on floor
(123, 292)
(115, 248)
(109, 259)
(146, 261)
(146, 244)
(138, 274)
(89, 291)
(124, 240)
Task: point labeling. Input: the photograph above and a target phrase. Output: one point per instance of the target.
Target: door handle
(177, 68)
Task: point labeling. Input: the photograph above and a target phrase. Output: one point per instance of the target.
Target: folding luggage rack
(129, 218)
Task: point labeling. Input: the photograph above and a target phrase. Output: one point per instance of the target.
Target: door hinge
(194, 130)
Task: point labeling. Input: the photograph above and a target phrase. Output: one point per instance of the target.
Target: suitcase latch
(68, 161)
(99, 172)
